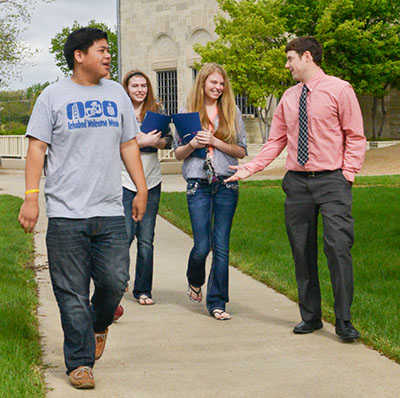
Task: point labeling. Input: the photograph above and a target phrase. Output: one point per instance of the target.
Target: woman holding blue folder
(211, 202)
(139, 88)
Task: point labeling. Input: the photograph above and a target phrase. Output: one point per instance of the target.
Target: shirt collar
(312, 83)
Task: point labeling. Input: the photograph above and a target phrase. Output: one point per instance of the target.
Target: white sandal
(190, 290)
(218, 314)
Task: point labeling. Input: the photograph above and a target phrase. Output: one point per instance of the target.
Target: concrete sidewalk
(175, 349)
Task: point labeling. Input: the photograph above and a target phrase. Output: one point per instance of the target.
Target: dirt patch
(382, 161)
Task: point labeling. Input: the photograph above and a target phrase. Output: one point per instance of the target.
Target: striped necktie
(302, 151)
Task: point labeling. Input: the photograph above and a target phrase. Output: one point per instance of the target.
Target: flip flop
(218, 314)
(143, 299)
(190, 290)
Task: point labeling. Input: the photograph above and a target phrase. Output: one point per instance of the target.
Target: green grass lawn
(263, 251)
(20, 363)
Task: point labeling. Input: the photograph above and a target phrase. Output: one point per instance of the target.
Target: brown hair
(150, 103)
(306, 43)
(226, 103)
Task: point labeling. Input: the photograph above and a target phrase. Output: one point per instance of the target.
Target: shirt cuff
(349, 175)
(250, 169)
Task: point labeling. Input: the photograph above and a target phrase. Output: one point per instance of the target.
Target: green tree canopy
(252, 38)
(14, 111)
(16, 107)
(361, 41)
(57, 46)
(35, 90)
(360, 38)
(14, 15)
(251, 48)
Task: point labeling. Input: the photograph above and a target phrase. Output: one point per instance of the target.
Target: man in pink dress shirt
(318, 180)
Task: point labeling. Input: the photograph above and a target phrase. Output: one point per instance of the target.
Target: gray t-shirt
(193, 166)
(83, 127)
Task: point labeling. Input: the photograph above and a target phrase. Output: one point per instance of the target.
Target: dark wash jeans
(80, 250)
(211, 209)
(144, 232)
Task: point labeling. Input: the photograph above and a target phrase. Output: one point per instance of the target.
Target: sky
(48, 19)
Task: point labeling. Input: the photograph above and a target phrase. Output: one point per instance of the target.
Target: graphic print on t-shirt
(92, 113)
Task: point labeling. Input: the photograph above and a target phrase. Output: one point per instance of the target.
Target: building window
(241, 102)
(167, 86)
(194, 74)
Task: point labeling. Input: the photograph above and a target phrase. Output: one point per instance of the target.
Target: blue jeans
(211, 209)
(144, 231)
(79, 250)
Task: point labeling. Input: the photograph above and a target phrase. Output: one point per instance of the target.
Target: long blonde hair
(150, 103)
(226, 103)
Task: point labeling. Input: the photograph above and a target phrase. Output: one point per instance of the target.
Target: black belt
(312, 174)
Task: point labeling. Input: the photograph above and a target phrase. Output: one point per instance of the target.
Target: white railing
(166, 154)
(16, 146)
(13, 146)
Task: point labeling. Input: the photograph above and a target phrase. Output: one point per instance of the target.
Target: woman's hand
(153, 138)
(206, 138)
(195, 143)
(183, 151)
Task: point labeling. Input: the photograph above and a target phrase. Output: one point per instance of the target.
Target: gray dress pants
(307, 195)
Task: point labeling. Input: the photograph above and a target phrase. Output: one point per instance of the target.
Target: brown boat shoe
(82, 377)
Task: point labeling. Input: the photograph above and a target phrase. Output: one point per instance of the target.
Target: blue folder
(155, 121)
(187, 125)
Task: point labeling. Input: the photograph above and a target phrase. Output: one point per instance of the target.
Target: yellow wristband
(32, 191)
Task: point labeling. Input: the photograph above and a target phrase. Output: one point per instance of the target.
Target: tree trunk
(383, 117)
(263, 122)
(373, 114)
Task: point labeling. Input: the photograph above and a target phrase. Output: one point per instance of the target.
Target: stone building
(157, 37)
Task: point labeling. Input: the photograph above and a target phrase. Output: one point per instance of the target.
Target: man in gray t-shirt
(86, 123)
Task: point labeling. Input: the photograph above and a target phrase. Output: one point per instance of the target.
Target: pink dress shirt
(335, 129)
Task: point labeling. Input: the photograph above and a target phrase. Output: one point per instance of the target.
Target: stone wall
(253, 134)
(392, 125)
(158, 35)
